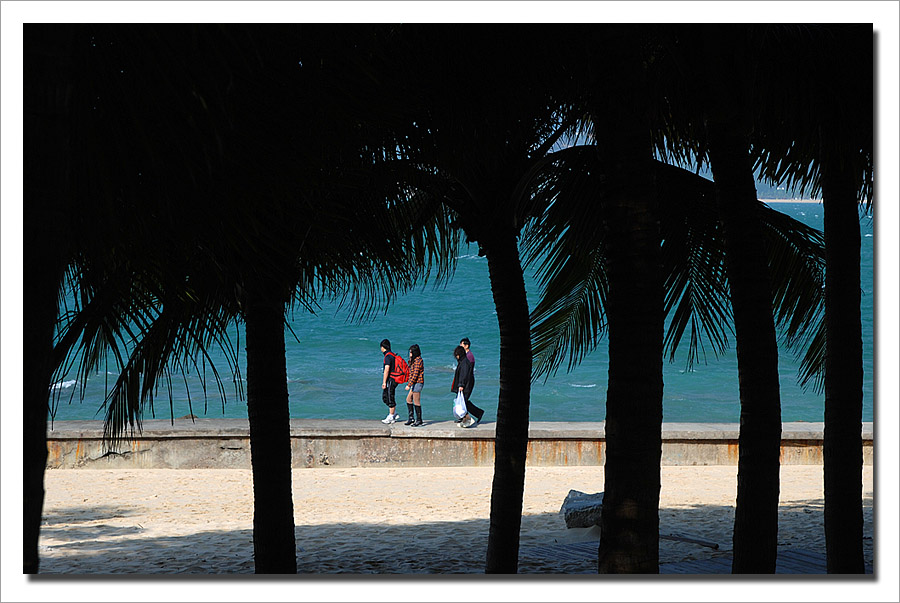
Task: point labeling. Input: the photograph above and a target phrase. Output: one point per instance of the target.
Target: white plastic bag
(459, 406)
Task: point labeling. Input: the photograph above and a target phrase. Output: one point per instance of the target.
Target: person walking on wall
(464, 342)
(414, 385)
(388, 382)
(463, 381)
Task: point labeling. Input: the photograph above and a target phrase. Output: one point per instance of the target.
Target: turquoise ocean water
(334, 365)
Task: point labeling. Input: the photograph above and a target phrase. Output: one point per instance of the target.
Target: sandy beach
(381, 520)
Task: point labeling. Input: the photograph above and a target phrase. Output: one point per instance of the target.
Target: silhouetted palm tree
(819, 139)
(708, 118)
(728, 124)
(571, 315)
(572, 266)
(442, 126)
(48, 81)
(620, 112)
(477, 116)
(258, 219)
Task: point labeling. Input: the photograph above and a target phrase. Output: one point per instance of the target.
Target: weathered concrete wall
(225, 443)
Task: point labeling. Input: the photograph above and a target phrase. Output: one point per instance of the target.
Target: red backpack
(400, 374)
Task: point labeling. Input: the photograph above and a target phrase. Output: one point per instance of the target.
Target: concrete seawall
(225, 444)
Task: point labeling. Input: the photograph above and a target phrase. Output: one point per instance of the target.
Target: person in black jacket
(388, 383)
(464, 381)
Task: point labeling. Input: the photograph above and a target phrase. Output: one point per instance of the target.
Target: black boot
(418, 417)
(411, 418)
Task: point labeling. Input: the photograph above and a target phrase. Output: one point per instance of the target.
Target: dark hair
(465, 340)
(386, 344)
(459, 353)
(414, 351)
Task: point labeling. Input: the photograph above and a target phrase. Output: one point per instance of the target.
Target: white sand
(379, 520)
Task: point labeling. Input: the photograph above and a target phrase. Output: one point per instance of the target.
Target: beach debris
(582, 510)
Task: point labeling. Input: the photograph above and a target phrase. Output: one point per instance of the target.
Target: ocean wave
(63, 384)
(589, 385)
(470, 256)
(868, 235)
(356, 370)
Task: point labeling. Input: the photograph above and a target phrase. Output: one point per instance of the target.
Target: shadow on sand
(103, 549)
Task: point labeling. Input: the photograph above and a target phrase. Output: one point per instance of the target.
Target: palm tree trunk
(730, 53)
(47, 93)
(511, 442)
(629, 538)
(843, 377)
(629, 522)
(274, 546)
(759, 442)
(41, 287)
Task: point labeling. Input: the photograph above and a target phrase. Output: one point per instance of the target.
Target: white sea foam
(64, 384)
(358, 370)
(589, 385)
(868, 235)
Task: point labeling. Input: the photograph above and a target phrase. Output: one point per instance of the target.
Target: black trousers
(388, 393)
(473, 410)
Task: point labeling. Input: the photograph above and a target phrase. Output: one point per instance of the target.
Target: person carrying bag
(463, 382)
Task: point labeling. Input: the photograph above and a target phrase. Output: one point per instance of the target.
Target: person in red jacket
(414, 385)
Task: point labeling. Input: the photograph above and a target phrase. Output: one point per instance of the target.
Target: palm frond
(812, 362)
(378, 238)
(796, 254)
(693, 254)
(804, 129)
(569, 321)
(180, 336)
(564, 246)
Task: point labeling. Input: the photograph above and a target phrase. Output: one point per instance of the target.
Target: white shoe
(390, 419)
